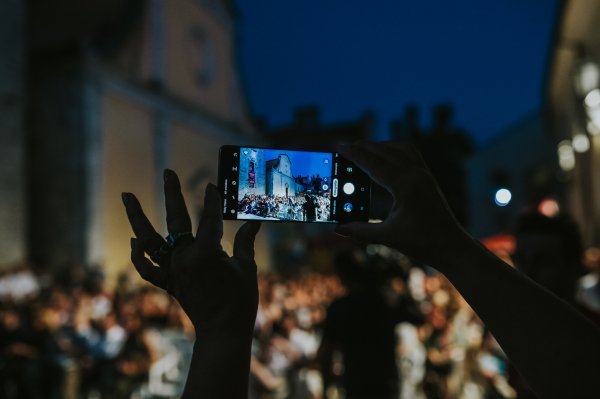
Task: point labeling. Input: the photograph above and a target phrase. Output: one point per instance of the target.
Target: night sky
(488, 58)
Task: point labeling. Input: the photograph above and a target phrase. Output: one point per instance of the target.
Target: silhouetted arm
(330, 342)
(554, 347)
(218, 293)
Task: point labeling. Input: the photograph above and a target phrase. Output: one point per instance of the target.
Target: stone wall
(57, 169)
(12, 141)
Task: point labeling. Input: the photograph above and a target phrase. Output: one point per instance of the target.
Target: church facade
(107, 116)
(259, 176)
(280, 182)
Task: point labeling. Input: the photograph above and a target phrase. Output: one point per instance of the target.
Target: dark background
(486, 58)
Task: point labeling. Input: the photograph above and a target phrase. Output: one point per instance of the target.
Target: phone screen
(271, 184)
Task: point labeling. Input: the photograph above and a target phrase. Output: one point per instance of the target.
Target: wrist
(455, 252)
(230, 340)
(219, 359)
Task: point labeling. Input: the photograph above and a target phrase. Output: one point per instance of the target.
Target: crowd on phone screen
(65, 335)
(302, 207)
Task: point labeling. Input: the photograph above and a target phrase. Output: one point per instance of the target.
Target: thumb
(243, 245)
(365, 232)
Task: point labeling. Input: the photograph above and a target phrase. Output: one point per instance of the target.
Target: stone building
(572, 97)
(12, 139)
(520, 159)
(445, 148)
(280, 181)
(307, 132)
(117, 91)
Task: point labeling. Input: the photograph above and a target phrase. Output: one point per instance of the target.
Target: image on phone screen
(293, 186)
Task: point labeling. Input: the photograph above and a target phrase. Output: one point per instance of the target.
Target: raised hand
(215, 290)
(553, 346)
(218, 293)
(420, 223)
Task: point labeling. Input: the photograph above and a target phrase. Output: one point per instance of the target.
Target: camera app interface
(284, 185)
(291, 186)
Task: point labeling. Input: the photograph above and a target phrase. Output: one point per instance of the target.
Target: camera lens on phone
(348, 207)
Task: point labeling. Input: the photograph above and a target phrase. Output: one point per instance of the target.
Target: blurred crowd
(64, 335)
(302, 207)
(441, 349)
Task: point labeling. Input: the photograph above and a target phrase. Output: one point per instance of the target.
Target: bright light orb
(566, 155)
(565, 149)
(589, 77)
(548, 208)
(503, 197)
(581, 143)
(593, 128)
(567, 163)
(592, 99)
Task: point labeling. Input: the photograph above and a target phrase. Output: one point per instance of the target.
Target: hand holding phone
(291, 186)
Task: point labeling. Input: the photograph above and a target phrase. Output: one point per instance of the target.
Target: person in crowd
(219, 292)
(287, 332)
(133, 362)
(310, 208)
(20, 352)
(361, 325)
(549, 251)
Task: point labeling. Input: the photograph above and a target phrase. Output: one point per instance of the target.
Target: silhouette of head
(549, 251)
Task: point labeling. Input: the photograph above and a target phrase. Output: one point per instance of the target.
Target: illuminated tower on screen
(252, 172)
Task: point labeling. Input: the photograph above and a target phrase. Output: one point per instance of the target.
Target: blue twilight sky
(488, 58)
(305, 163)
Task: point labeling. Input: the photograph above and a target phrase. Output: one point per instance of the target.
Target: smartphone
(271, 184)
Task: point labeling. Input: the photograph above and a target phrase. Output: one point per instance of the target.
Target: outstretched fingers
(145, 268)
(210, 228)
(150, 240)
(178, 218)
(243, 245)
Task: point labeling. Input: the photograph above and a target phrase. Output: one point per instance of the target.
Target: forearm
(551, 344)
(220, 368)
